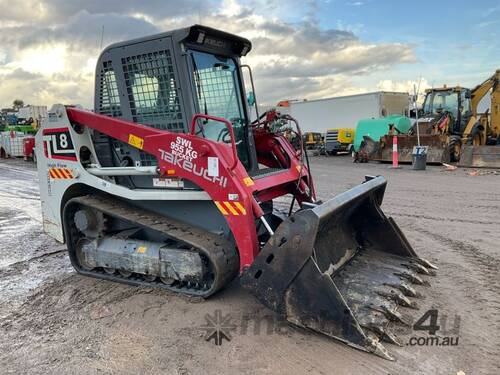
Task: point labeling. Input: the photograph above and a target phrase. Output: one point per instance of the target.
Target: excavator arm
(483, 129)
(477, 94)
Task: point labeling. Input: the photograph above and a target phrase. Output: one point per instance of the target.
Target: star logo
(218, 327)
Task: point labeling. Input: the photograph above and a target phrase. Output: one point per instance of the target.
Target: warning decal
(61, 173)
(57, 144)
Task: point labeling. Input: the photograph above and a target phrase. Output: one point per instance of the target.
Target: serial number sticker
(168, 182)
(136, 141)
(213, 166)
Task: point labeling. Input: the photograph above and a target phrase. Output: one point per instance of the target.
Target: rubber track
(221, 253)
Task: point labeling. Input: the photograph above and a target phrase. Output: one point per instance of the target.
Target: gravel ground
(55, 321)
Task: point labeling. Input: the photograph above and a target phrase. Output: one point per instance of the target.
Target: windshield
(218, 92)
(440, 101)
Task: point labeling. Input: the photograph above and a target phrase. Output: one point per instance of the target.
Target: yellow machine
(312, 140)
(481, 137)
(451, 128)
(339, 139)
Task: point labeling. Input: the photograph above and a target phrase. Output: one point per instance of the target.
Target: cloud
(81, 30)
(409, 86)
(58, 42)
(59, 11)
(356, 3)
(42, 89)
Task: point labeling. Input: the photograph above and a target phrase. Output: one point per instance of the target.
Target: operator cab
(456, 101)
(163, 80)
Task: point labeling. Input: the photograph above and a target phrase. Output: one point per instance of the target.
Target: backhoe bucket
(479, 156)
(437, 152)
(343, 269)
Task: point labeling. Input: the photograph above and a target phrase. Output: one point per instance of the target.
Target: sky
(301, 48)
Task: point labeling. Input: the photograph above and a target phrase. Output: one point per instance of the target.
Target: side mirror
(251, 99)
(468, 94)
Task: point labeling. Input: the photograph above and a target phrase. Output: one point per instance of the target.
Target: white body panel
(52, 190)
(345, 111)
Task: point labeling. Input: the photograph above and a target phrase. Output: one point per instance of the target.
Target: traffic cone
(395, 152)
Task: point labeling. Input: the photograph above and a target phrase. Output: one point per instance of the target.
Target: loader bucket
(437, 152)
(342, 269)
(479, 156)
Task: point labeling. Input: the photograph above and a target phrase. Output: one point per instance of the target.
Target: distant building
(36, 112)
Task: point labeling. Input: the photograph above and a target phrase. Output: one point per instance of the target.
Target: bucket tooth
(383, 333)
(399, 298)
(394, 315)
(419, 268)
(411, 277)
(406, 289)
(375, 346)
(426, 263)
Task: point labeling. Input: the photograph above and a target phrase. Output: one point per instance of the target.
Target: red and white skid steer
(169, 184)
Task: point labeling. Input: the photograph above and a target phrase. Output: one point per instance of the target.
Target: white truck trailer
(319, 115)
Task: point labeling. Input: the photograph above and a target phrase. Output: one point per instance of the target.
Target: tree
(18, 103)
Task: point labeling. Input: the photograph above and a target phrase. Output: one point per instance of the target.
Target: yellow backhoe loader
(481, 137)
(452, 128)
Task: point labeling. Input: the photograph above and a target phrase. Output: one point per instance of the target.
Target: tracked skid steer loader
(169, 184)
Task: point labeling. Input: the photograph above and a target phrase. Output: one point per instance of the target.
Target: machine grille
(152, 90)
(109, 98)
(332, 135)
(153, 94)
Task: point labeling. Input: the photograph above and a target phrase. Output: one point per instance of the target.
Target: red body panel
(186, 156)
(29, 145)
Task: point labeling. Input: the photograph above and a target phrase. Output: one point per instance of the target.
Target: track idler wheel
(167, 280)
(85, 263)
(124, 273)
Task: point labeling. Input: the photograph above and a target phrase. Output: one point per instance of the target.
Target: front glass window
(218, 92)
(440, 101)
(464, 103)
